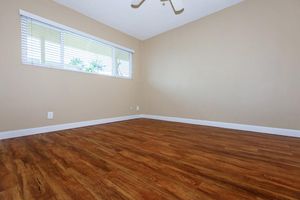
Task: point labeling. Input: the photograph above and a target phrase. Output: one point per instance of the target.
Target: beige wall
(27, 92)
(240, 65)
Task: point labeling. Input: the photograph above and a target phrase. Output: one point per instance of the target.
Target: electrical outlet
(137, 108)
(50, 115)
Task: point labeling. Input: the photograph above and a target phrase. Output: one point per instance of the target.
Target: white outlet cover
(50, 115)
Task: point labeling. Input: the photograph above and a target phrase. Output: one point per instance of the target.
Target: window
(49, 44)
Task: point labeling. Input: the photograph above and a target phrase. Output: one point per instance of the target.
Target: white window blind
(52, 45)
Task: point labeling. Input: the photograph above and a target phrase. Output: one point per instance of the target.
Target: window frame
(63, 28)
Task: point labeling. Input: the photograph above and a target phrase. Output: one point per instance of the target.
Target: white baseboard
(259, 129)
(46, 129)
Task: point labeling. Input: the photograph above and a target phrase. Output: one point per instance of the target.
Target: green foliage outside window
(94, 66)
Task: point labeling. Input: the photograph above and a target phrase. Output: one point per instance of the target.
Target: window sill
(74, 70)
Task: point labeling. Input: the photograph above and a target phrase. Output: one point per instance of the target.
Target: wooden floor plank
(149, 159)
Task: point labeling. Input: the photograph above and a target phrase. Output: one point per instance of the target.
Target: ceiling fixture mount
(177, 5)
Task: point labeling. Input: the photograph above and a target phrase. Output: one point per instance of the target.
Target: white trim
(47, 129)
(74, 70)
(130, 66)
(55, 24)
(259, 129)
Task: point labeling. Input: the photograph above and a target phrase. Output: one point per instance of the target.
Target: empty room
(150, 100)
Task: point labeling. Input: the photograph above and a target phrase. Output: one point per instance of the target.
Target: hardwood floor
(148, 159)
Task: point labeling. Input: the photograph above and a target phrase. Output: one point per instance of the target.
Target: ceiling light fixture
(177, 5)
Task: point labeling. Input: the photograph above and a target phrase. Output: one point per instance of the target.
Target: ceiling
(150, 19)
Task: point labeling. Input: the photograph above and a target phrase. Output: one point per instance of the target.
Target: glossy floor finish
(148, 159)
